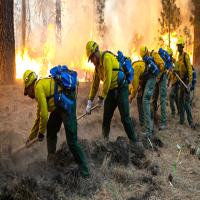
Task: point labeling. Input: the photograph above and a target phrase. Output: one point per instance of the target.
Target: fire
(173, 41)
(24, 62)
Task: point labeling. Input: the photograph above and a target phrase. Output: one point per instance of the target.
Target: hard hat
(143, 51)
(91, 47)
(181, 41)
(29, 77)
(169, 51)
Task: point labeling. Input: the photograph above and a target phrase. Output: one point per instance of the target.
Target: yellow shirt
(44, 88)
(105, 73)
(185, 71)
(139, 69)
(159, 62)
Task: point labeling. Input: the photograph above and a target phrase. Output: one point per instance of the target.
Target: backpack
(194, 73)
(125, 71)
(166, 58)
(67, 80)
(151, 65)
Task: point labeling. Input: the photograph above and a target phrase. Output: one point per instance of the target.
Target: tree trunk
(23, 23)
(196, 48)
(58, 21)
(7, 42)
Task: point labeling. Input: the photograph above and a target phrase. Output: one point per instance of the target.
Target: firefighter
(150, 76)
(42, 91)
(137, 87)
(175, 85)
(185, 71)
(114, 91)
(160, 88)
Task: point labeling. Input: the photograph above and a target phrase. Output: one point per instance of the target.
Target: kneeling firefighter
(53, 97)
(114, 90)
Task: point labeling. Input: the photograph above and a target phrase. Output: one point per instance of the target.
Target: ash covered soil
(118, 170)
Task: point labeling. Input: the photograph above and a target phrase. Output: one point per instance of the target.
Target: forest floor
(118, 170)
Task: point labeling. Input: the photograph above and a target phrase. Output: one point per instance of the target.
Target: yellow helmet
(143, 51)
(169, 51)
(29, 77)
(91, 47)
(181, 41)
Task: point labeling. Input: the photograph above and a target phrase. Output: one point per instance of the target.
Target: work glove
(89, 107)
(40, 137)
(100, 101)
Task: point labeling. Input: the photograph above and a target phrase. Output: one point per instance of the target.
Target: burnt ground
(119, 170)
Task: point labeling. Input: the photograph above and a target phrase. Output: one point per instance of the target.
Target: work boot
(192, 126)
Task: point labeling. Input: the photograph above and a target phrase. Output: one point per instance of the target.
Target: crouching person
(49, 95)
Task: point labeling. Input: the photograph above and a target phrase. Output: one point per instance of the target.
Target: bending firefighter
(185, 72)
(114, 90)
(43, 91)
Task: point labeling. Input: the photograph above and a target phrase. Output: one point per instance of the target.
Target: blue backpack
(166, 58)
(151, 65)
(194, 78)
(67, 80)
(125, 71)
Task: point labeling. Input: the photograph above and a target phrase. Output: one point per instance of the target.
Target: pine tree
(7, 42)
(170, 18)
(196, 23)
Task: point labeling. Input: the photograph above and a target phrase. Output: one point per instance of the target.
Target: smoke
(124, 25)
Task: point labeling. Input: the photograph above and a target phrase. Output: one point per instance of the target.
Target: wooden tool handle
(83, 115)
(18, 149)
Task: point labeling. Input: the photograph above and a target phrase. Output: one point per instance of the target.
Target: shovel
(29, 144)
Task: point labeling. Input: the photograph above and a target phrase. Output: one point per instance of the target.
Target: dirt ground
(118, 170)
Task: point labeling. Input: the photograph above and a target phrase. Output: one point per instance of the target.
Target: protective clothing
(91, 48)
(29, 77)
(44, 94)
(159, 62)
(169, 51)
(118, 97)
(174, 98)
(56, 118)
(105, 73)
(180, 41)
(185, 72)
(148, 92)
(161, 88)
(139, 69)
(89, 107)
(114, 95)
(143, 51)
(185, 67)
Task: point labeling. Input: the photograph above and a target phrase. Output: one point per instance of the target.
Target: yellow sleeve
(189, 67)
(135, 83)
(35, 128)
(42, 104)
(95, 86)
(159, 61)
(107, 66)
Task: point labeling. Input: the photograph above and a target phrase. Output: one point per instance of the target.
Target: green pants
(161, 87)
(185, 105)
(174, 98)
(70, 124)
(139, 103)
(148, 93)
(118, 98)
